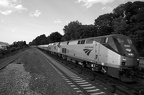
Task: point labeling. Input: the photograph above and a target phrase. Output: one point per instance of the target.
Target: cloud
(20, 7)
(57, 21)
(7, 12)
(36, 13)
(9, 6)
(89, 3)
(4, 3)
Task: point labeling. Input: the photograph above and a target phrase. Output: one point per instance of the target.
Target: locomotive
(114, 55)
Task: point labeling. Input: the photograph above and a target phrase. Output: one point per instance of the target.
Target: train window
(120, 40)
(124, 41)
(83, 41)
(112, 44)
(63, 50)
(67, 43)
(129, 41)
(89, 41)
(103, 40)
(79, 42)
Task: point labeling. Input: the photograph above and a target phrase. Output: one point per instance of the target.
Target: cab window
(104, 40)
(112, 44)
(129, 41)
(83, 41)
(124, 41)
(79, 42)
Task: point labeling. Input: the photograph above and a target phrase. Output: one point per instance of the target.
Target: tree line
(126, 19)
(12, 48)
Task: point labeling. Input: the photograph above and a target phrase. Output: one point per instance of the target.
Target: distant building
(3, 45)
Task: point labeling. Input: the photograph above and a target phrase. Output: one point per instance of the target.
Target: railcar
(114, 55)
(45, 47)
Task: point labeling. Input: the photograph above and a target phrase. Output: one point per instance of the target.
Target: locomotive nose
(130, 62)
(131, 57)
(127, 50)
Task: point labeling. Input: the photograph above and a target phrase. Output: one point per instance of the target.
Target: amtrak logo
(87, 51)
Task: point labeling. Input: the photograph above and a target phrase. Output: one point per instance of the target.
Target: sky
(24, 20)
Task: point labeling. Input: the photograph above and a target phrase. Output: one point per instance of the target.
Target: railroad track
(115, 85)
(80, 83)
(10, 60)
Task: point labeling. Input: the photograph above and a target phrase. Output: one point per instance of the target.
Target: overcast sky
(27, 19)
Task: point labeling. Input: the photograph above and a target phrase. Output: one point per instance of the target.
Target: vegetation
(12, 48)
(126, 19)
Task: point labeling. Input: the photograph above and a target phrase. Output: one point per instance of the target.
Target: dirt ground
(32, 75)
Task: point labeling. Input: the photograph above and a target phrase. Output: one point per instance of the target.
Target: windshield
(125, 41)
(127, 45)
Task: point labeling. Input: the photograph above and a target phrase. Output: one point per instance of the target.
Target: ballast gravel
(32, 75)
(14, 80)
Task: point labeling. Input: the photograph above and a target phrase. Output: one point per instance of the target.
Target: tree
(70, 30)
(55, 37)
(129, 20)
(120, 26)
(38, 40)
(84, 31)
(103, 24)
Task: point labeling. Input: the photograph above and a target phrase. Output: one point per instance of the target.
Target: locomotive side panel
(103, 55)
(83, 52)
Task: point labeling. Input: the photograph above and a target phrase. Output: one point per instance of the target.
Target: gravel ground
(15, 80)
(34, 76)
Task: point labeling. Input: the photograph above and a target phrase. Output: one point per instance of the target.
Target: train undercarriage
(122, 73)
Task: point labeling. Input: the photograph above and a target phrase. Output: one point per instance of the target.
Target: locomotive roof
(88, 38)
(96, 37)
(92, 38)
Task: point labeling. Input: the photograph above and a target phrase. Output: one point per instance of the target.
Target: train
(114, 55)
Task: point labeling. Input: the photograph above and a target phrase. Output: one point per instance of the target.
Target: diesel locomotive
(114, 55)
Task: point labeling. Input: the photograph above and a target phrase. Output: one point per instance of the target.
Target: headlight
(130, 54)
